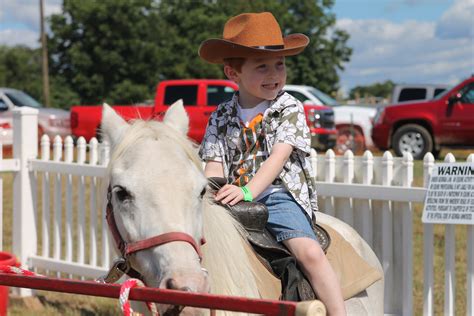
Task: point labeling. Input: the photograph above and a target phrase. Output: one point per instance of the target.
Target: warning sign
(450, 195)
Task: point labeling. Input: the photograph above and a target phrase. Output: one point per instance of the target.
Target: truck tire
(349, 138)
(412, 138)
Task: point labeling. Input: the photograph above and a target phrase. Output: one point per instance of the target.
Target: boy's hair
(236, 63)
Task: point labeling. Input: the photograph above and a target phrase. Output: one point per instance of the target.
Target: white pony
(157, 185)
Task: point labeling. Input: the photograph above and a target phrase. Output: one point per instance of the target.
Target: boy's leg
(319, 272)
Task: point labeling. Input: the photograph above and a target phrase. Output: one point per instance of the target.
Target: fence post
(470, 262)
(344, 206)
(69, 157)
(25, 147)
(57, 201)
(93, 158)
(449, 261)
(386, 237)
(329, 176)
(407, 237)
(365, 219)
(106, 253)
(81, 198)
(428, 245)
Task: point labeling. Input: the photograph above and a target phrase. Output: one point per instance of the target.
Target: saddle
(275, 256)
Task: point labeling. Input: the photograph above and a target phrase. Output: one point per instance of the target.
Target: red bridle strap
(161, 240)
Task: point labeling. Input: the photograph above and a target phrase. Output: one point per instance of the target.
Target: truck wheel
(412, 138)
(349, 138)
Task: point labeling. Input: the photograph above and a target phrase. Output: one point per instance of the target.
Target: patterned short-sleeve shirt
(284, 122)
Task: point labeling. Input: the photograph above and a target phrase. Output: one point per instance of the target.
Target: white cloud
(12, 37)
(19, 20)
(409, 51)
(458, 21)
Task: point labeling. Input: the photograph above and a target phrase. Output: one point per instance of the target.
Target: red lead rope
(124, 289)
(125, 303)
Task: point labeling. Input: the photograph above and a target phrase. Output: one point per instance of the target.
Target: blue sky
(406, 41)
(395, 11)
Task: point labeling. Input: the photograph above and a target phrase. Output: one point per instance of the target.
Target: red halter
(129, 248)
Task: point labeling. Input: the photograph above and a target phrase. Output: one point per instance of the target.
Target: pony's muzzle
(189, 282)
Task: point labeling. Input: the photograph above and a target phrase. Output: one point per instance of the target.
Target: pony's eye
(121, 193)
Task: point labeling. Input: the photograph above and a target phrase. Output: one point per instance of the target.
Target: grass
(67, 304)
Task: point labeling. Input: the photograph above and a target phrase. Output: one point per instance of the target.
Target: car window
(19, 98)
(442, 94)
(298, 95)
(218, 94)
(186, 92)
(3, 105)
(408, 94)
(468, 94)
(438, 91)
(323, 97)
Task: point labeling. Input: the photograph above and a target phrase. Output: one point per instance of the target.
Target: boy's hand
(230, 194)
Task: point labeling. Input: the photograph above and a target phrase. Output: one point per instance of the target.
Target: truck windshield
(20, 98)
(323, 97)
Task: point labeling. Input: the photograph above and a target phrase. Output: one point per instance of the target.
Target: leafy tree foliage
(383, 90)
(20, 68)
(107, 49)
(117, 50)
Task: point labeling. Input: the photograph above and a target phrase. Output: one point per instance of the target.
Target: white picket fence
(64, 231)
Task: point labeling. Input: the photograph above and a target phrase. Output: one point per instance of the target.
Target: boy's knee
(311, 255)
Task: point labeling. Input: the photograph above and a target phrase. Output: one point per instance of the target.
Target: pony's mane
(142, 129)
(226, 254)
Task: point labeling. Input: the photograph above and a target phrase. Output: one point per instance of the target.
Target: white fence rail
(64, 231)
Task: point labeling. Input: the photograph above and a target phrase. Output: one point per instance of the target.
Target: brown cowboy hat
(251, 35)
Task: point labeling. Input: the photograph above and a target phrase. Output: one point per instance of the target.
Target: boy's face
(260, 78)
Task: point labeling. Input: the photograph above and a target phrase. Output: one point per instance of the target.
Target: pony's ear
(113, 125)
(177, 118)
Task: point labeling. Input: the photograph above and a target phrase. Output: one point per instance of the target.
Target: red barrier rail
(209, 301)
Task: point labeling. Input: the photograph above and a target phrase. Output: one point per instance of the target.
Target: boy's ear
(231, 73)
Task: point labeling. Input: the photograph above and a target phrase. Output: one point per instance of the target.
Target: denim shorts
(287, 219)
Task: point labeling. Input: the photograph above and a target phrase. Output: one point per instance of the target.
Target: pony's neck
(225, 255)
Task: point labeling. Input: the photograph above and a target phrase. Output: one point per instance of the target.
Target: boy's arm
(214, 169)
(267, 173)
(270, 169)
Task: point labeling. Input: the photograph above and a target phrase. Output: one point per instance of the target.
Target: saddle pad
(354, 273)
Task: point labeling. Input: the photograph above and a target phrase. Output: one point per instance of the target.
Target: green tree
(379, 89)
(20, 68)
(117, 50)
(107, 50)
(190, 22)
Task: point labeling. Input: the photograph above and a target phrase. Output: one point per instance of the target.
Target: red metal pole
(209, 301)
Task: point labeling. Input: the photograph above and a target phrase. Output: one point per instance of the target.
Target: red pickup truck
(421, 127)
(200, 98)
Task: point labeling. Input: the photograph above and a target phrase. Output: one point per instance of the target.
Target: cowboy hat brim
(215, 50)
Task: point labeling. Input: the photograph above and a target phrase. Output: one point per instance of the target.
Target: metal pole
(45, 58)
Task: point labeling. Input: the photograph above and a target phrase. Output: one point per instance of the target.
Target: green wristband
(247, 195)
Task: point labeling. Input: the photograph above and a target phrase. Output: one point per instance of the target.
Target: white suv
(51, 121)
(353, 123)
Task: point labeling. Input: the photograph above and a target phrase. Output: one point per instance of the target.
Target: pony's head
(156, 187)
